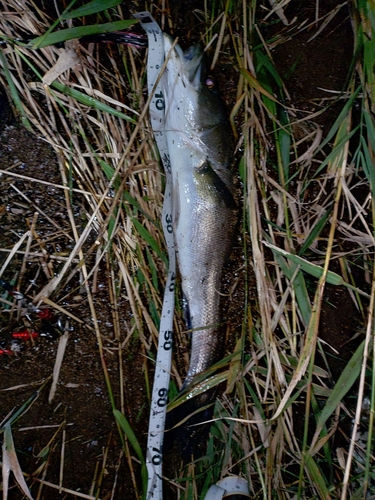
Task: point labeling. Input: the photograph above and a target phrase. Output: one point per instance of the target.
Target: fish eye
(210, 82)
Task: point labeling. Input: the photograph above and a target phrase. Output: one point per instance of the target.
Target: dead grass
(281, 411)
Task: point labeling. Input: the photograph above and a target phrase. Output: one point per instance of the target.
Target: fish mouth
(189, 61)
(193, 65)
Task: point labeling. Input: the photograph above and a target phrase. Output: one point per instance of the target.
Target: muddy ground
(92, 453)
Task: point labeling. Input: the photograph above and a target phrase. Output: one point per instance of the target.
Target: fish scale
(205, 211)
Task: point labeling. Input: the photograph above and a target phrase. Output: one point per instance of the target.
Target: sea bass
(205, 210)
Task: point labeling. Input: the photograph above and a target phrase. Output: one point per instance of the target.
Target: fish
(205, 209)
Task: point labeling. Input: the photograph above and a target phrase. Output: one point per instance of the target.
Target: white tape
(225, 488)
(154, 455)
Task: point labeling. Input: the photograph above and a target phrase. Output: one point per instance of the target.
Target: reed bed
(282, 419)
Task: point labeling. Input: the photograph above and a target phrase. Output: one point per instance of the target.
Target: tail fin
(187, 428)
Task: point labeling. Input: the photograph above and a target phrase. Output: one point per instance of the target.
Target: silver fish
(205, 210)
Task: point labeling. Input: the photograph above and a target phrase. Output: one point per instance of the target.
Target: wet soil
(77, 428)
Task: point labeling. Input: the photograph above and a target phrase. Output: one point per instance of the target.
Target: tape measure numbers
(154, 454)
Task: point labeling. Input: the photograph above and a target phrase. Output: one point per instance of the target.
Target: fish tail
(188, 427)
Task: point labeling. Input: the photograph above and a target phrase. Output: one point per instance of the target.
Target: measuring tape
(154, 454)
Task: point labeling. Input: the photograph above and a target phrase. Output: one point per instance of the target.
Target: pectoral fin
(209, 184)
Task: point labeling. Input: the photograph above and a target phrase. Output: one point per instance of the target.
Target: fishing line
(159, 401)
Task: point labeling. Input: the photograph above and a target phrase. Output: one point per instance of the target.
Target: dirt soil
(77, 426)
(81, 405)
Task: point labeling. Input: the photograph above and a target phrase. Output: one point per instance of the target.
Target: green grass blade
(199, 388)
(325, 435)
(370, 128)
(299, 285)
(338, 149)
(265, 64)
(14, 92)
(283, 144)
(109, 172)
(146, 236)
(129, 433)
(342, 116)
(91, 8)
(315, 232)
(26, 405)
(318, 480)
(346, 380)
(313, 269)
(253, 82)
(368, 165)
(90, 101)
(367, 159)
(368, 64)
(80, 31)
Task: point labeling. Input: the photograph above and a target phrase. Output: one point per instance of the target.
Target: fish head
(192, 103)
